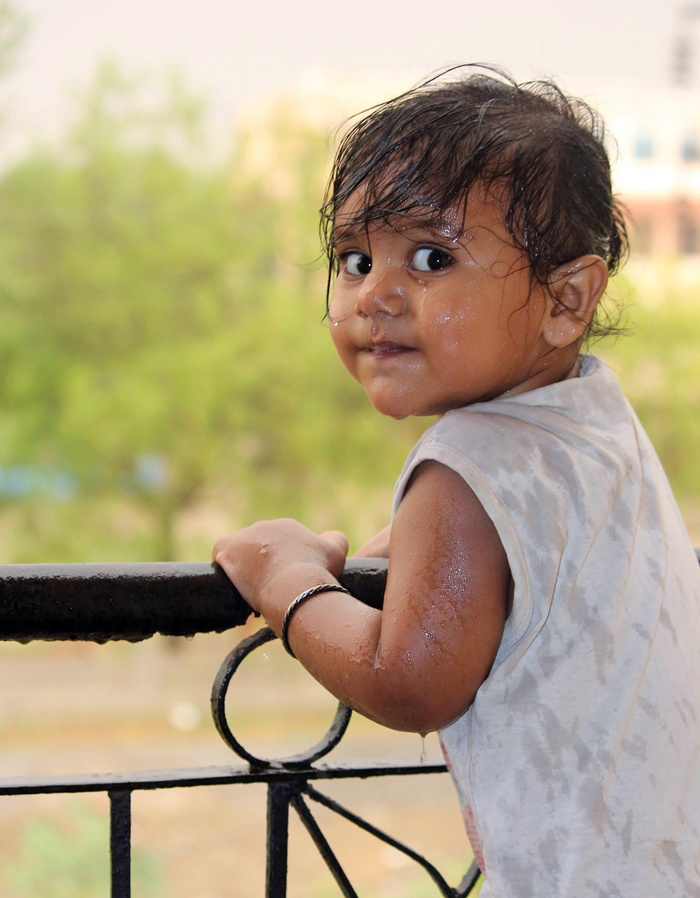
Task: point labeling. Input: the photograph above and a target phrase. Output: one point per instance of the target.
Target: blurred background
(165, 372)
(165, 375)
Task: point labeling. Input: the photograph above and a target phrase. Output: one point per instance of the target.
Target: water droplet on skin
(423, 751)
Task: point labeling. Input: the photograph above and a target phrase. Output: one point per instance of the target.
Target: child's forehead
(482, 207)
(410, 224)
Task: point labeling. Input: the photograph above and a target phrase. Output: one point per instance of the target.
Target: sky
(233, 53)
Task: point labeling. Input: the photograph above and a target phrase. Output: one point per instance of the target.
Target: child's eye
(356, 263)
(429, 258)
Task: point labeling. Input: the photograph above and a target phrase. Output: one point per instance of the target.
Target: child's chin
(399, 403)
(397, 411)
(389, 412)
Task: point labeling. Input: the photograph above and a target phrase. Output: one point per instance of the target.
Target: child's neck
(563, 369)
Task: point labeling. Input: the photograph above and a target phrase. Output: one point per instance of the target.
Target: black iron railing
(101, 603)
(133, 602)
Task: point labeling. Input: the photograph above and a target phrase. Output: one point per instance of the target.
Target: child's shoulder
(581, 429)
(590, 405)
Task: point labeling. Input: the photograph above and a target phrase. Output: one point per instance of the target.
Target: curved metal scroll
(218, 708)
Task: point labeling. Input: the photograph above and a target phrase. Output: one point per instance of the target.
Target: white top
(578, 764)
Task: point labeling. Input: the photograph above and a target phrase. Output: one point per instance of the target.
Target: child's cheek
(343, 345)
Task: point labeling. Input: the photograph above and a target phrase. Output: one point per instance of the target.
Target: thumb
(337, 539)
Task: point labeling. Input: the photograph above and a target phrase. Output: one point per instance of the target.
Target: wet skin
(433, 319)
(426, 323)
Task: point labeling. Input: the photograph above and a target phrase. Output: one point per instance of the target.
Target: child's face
(427, 323)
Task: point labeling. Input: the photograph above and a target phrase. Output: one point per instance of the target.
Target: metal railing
(101, 603)
(133, 602)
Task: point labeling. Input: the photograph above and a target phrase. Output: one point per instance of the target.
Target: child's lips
(387, 348)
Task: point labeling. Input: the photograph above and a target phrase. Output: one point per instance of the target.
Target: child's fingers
(338, 540)
(254, 555)
(220, 547)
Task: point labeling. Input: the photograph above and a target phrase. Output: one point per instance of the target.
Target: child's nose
(382, 293)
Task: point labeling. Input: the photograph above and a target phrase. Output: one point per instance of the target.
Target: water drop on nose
(336, 323)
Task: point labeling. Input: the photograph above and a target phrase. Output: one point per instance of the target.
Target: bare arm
(417, 664)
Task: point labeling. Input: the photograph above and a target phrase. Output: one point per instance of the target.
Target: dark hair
(423, 151)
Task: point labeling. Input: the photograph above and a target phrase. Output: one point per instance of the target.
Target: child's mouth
(386, 349)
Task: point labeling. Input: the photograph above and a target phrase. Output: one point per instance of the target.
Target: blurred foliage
(165, 368)
(70, 860)
(14, 25)
(658, 364)
(161, 331)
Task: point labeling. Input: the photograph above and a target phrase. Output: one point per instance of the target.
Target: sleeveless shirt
(578, 763)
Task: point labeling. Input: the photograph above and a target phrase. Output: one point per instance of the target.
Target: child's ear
(575, 289)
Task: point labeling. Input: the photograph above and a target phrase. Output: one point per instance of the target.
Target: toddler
(542, 606)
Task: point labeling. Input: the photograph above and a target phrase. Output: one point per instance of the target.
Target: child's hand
(253, 557)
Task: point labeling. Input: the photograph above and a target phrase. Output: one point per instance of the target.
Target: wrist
(298, 602)
(284, 587)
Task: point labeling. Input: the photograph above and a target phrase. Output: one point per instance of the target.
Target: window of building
(643, 146)
(690, 147)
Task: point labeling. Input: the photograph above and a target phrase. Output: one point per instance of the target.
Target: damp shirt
(578, 763)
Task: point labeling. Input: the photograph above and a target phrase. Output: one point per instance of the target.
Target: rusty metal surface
(102, 602)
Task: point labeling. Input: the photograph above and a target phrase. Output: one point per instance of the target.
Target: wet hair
(425, 150)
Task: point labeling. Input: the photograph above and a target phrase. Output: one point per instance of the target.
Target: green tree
(659, 367)
(14, 26)
(114, 282)
(161, 319)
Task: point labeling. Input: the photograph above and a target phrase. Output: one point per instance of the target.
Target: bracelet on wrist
(300, 599)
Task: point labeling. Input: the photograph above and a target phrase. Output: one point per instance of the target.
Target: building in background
(656, 152)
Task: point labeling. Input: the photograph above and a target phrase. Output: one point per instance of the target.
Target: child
(542, 607)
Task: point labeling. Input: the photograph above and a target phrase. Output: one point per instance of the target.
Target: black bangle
(314, 591)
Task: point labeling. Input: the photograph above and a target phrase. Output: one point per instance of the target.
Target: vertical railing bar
(324, 848)
(120, 842)
(278, 798)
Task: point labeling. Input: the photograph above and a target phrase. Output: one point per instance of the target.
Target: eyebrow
(440, 228)
(346, 232)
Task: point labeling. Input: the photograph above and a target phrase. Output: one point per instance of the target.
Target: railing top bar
(102, 602)
(216, 776)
